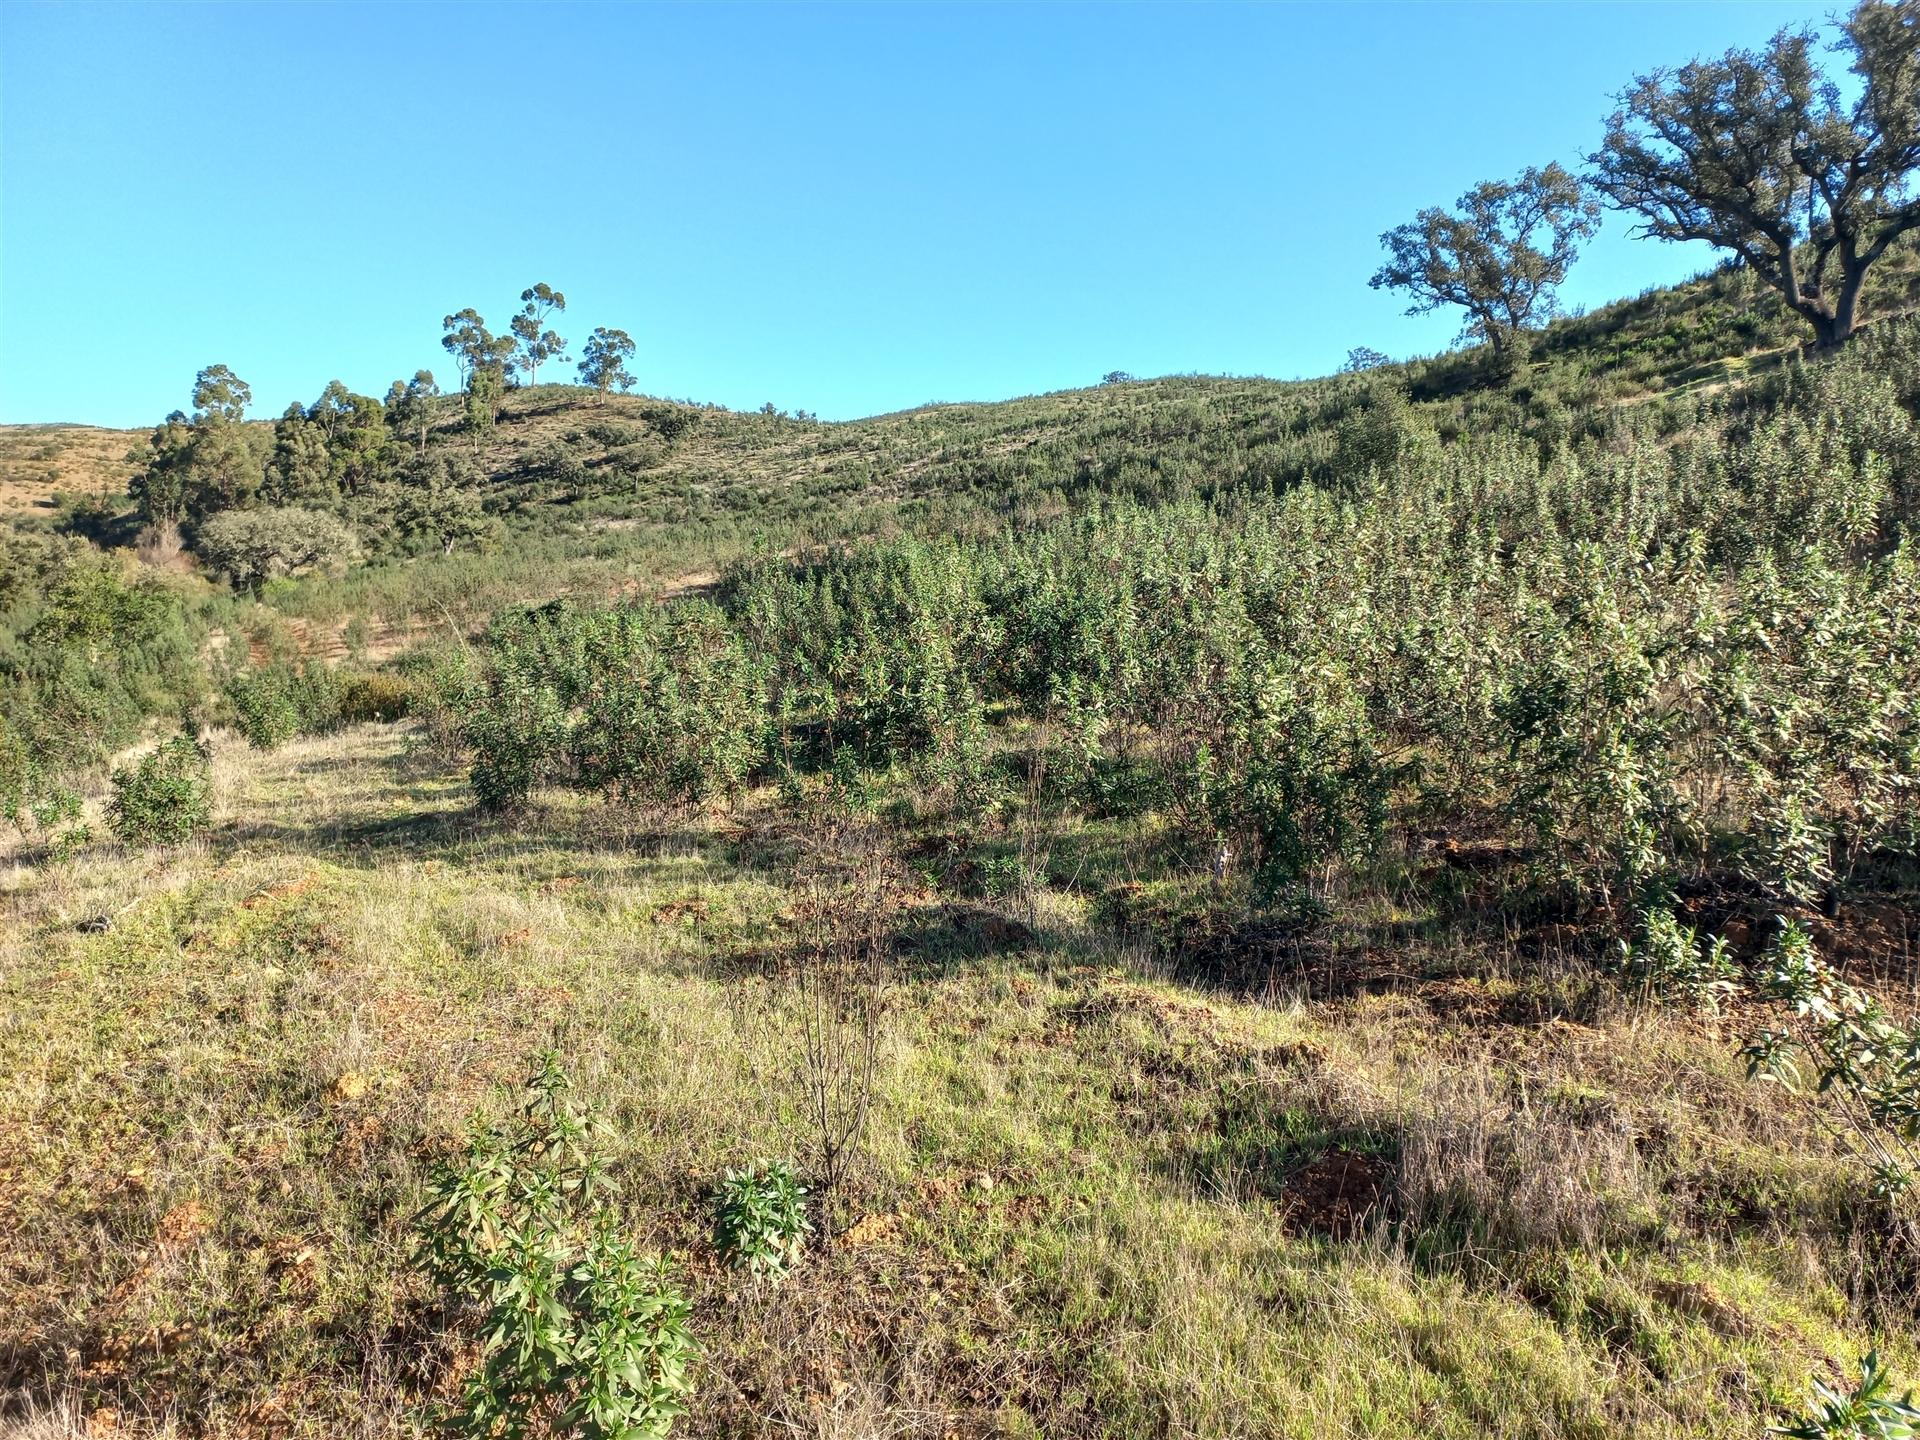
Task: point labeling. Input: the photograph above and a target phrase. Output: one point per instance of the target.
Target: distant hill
(638, 458)
(38, 462)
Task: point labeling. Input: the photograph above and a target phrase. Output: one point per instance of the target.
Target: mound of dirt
(1335, 1193)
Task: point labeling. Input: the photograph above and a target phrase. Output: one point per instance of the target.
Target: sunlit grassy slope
(1428, 1172)
(1101, 1198)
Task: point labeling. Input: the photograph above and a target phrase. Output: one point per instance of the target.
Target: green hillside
(1321, 873)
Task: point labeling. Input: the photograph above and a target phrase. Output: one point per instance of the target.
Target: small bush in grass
(581, 1333)
(381, 698)
(31, 797)
(164, 799)
(262, 709)
(1836, 1047)
(70, 842)
(760, 1218)
(1671, 959)
(1867, 1412)
(444, 688)
(273, 703)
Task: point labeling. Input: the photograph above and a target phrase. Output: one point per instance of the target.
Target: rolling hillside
(40, 462)
(1718, 329)
(1298, 885)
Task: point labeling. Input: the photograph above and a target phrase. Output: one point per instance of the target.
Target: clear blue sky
(848, 209)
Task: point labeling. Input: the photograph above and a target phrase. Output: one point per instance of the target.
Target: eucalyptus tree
(205, 462)
(410, 407)
(442, 501)
(331, 410)
(219, 395)
(159, 484)
(471, 344)
(300, 470)
(604, 365)
(538, 343)
(481, 357)
(361, 446)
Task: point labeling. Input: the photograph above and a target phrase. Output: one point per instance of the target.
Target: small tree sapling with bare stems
(840, 980)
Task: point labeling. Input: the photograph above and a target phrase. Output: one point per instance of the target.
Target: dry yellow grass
(39, 461)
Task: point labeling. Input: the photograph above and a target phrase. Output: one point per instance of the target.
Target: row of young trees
(1638, 660)
(1756, 153)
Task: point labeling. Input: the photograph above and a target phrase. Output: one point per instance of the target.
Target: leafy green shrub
(30, 798)
(20, 777)
(581, 1333)
(1669, 959)
(1298, 780)
(663, 707)
(70, 842)
(55, 803)
(517, 729)
(1836, 1040)
(273, 703)
(91, 648)
(1591, 757)
(1867, 1412)
(887, 645)
(670, 422)
(263, 708)
(613, 434)
(760, 1218)
(1005, 875)
(444, 687)
(165, 798)
(251, 547)
(1119, 787)
(56, 814)
(1813, 708)
(375, 698)
(511, 704)
(675, 712)
(1378, 433)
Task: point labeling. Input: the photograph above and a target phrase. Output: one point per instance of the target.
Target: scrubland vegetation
(1230, 908)
(1387, 905)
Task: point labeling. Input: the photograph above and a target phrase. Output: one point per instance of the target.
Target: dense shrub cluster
(1636, 659)
(166, 797)
(658, 706)
(1640, 658)
(273, 703)
(89, 649)
(375, 698)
